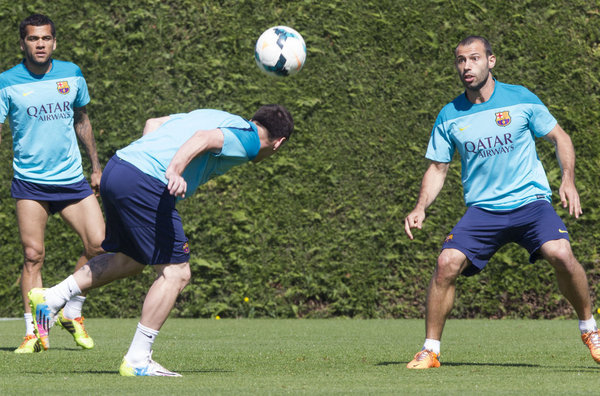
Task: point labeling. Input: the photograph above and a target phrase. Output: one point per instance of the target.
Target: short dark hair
(471, 39)
(276, 119)
(36, 20)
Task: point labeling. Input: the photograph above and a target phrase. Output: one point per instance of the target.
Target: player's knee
(179, 274)
(448, 267)
(33, 257)
(93, 251)
(187, 275)
(560, 255)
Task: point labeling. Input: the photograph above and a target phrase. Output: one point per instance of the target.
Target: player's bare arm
(83, 129)
(201, 142)
(431, 185)
(565, 153)
(152, 124)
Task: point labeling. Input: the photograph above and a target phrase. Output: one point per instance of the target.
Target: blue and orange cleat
(43, 317)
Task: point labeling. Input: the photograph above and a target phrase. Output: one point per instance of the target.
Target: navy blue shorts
(480, 233)
(141, 219)
(57, 196)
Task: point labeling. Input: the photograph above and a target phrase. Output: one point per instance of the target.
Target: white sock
(432, 345)
(586, 326)
(73, 307)
(57, 296)
(141, 346)
(28, 323)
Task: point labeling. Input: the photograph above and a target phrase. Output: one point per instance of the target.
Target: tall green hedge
(317, 231)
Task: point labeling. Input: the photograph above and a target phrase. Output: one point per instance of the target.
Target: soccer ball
(280, 51)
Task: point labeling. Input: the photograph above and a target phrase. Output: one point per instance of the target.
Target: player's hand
(570, 197)
(95, 178)
(177, 185)
(414, 220)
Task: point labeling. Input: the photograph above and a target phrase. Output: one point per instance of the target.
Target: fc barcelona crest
(502, 118)
(63, 87)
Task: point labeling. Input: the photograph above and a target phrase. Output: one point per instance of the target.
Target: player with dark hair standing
(45, 101)
(492, 125)
(139, 190)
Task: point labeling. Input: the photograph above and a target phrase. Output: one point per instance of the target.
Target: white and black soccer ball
(280, 51)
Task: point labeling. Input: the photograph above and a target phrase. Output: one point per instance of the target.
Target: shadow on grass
(479, 364)
(468, 364)
(75, 349)
(116, 372)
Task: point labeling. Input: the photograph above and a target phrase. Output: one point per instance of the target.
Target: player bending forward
(139, 189)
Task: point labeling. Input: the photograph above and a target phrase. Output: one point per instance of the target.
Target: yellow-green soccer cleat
(151, 369)
(30, 344)
(43, 317)
(77, 330)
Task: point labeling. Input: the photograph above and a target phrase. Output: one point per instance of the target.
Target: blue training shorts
(141, 219)
(58, 196)
(480, 233)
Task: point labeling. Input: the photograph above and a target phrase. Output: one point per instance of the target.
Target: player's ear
(278, 142)
(492, 61)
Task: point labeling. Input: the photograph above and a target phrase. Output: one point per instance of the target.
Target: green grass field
(336, 356)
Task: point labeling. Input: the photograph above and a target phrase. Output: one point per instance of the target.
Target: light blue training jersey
(40, 112)
(495, 139)
(153, 152)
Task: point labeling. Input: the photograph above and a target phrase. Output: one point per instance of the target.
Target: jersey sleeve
(4, 105)
(83, 96)
(541, 121)
(240, 143)
(441, 146)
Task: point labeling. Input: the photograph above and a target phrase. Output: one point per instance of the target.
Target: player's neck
(264, 150)
(38, 69)
(482, 94)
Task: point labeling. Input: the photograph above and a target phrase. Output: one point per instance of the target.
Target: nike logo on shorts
(563, 231)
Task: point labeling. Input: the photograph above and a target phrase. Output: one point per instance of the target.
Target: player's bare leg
(85, 217)
(32, 217)
(106, 268)
(170, 281)
(573, 284)
(440, 299)
(441, 292)
(572, 280)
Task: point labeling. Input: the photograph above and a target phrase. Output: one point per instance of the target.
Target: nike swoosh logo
(563, 231)
(463, 128)
(27, 93)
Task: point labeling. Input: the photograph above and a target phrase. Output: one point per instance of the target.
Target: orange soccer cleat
(592, 340)
(424, 360)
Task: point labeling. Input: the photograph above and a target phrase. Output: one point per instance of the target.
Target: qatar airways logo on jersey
(490, 146)
(50, 111)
